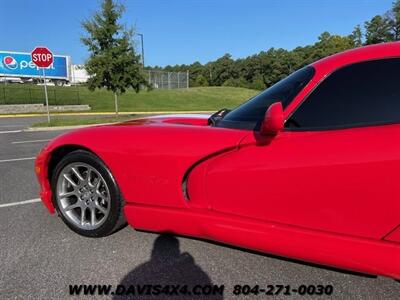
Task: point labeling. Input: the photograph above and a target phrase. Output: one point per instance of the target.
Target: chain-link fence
(20, 92)
(31, 94)
(168, 80)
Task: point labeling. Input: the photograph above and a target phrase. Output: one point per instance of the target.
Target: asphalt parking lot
(40, 257)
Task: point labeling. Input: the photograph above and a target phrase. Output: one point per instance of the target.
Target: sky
(185, 31)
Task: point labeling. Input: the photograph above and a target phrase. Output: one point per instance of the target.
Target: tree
(357, 36)
(195, 70)
(223, 69)
(329, 44)
(378, 30)
(257, 83)
(113, 63)
(394, 20)
(201, 81)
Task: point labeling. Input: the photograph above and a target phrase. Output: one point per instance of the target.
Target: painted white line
(20, 203)
(34, 141)
(16, 159)
(11, 131)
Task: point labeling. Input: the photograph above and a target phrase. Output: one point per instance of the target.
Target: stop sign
(42, 57)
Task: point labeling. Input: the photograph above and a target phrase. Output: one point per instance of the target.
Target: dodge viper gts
(308, 169)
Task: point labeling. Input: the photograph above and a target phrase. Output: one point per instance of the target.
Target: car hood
(184, 119)
(156, 134)
(154, 151)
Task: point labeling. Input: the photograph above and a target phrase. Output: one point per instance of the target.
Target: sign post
(46, 96)
(43, 58)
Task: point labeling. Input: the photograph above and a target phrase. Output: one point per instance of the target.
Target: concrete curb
(40, 108)
(56, 128)
(106, 113)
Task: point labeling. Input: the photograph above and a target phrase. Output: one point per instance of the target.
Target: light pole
(141, 39)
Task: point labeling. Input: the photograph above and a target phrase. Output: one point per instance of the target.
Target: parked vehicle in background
(17, 67)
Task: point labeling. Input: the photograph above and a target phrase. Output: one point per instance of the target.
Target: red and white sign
(42, 57)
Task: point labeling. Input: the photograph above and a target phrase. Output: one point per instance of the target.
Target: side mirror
(273, 120)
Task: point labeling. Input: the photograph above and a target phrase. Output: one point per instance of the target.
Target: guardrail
(10, 94)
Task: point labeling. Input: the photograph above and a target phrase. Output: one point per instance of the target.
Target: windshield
(250, 114)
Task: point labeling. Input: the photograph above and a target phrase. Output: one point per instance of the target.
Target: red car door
(334, 168)
(340, 181)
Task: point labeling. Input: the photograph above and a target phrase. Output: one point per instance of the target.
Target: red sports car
(309, 169)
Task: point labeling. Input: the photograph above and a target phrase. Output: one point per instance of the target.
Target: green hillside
(193, 99)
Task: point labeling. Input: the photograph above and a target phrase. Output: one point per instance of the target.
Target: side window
(361, 94)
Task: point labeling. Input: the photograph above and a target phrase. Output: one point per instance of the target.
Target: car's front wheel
(86, 195)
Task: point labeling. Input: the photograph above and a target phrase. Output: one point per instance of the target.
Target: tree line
(267, 67)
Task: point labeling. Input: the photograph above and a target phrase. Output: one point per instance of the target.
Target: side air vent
(185, 179)
(185, 188)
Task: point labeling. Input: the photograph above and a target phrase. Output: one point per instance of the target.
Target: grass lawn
(193, 99)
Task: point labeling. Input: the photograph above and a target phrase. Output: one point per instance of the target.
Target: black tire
(115, 219)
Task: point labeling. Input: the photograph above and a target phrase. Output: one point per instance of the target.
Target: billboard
(20, 65)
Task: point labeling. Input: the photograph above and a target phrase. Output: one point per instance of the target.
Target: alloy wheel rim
(83, 196)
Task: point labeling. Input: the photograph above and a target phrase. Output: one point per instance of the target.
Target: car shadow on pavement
(167, 266)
